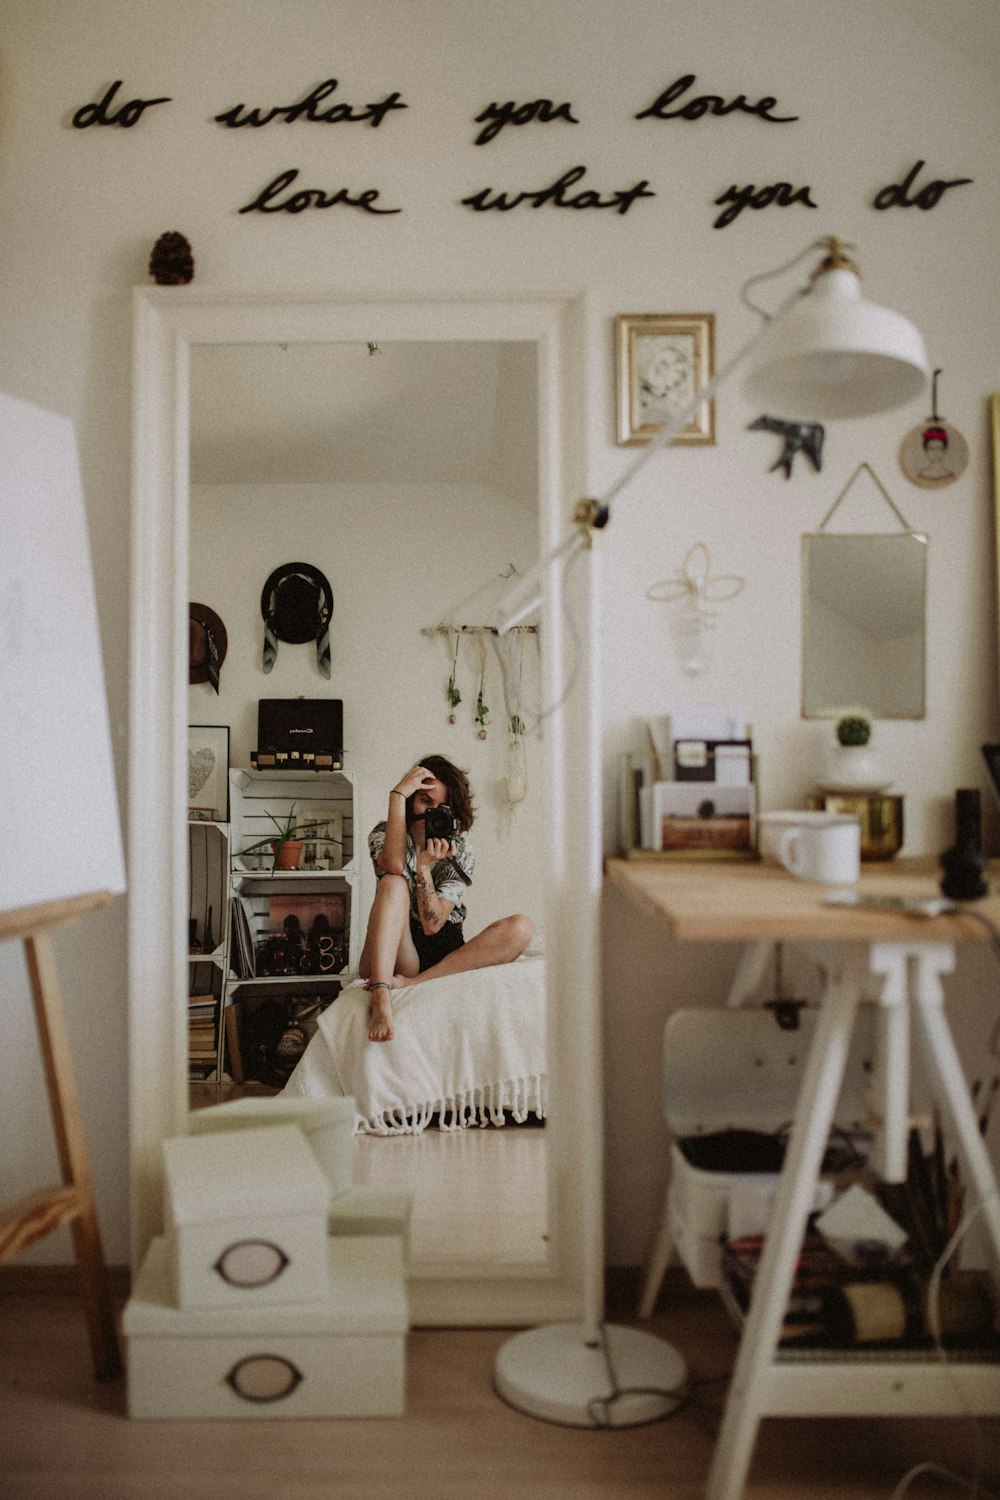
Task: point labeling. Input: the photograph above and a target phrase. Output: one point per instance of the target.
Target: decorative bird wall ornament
(800, 437)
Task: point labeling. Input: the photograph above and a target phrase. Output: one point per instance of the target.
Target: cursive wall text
(101, 114)
(308, 109)
(709, 104)
(497, 116)
(266, 200)
(558, 196)
(739, 198)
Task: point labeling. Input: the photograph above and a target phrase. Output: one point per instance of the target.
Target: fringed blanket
(466, 1048)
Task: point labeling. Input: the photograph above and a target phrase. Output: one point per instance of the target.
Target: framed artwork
(662, 361)
(208, 772)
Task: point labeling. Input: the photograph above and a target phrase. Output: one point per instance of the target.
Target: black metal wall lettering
(781, 193)
(126, 115)
(704, 104)
(894, 196)
(308, 109)
(556, 195)
(265, 201)
(497, 116)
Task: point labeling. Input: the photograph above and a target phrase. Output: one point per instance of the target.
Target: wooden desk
(711, 901)
(760, 904)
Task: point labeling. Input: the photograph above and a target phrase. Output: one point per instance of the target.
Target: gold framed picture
(662, 361)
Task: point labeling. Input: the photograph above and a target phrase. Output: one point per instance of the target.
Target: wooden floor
(478, 1195)
(64, 1437)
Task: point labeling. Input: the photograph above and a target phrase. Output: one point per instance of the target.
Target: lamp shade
(834, 354)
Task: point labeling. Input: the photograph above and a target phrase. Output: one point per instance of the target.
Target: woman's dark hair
(459, 791)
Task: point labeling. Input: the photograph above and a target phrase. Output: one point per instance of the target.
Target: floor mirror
(186, 341)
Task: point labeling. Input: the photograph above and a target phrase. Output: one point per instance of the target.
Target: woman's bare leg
(499, 943)
(388, 949)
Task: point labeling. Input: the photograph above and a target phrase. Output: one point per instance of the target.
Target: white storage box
(245, 1213)
(327, 1124)
(737, 1070)
(372, 1210)
(341, 1355)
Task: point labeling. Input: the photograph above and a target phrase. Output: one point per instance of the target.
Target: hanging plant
(453, 694)
(482, 713)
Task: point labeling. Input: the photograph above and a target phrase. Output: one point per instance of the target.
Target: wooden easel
(43, 1212)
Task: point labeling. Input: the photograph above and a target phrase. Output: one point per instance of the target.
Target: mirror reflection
(864, 602)
(404, 476)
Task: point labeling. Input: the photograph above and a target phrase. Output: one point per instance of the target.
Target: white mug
(827, 851)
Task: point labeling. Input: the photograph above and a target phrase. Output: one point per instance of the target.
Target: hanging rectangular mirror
(864, 602)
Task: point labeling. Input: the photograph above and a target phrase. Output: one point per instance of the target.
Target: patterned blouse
(446, 882)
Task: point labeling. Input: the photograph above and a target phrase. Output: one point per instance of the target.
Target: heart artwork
(201, 764)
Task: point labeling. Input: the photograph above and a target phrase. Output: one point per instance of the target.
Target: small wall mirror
(864, 624)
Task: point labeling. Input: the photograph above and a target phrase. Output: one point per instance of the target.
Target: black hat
(297, 605)
(206, 644)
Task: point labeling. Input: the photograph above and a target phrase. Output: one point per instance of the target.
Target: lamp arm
(516, 605)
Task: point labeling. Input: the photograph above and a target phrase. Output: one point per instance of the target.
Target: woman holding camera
(423, 866)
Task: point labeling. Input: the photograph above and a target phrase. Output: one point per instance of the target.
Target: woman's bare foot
(380, 1012)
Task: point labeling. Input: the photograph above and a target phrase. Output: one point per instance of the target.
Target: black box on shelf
(299, 733)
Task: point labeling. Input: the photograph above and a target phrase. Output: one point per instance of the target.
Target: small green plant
(854, 729)
(290, 831)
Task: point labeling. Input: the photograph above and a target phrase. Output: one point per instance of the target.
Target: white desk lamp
(826, 353)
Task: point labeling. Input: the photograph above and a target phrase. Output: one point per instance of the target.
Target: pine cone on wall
(171, 263)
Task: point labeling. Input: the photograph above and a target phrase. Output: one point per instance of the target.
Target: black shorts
(433, 946)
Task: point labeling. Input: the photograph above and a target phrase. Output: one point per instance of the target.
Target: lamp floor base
(554, 1374)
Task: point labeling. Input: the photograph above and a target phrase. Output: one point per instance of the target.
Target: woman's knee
(518, 930)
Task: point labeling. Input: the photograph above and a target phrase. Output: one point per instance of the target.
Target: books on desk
(693, 790)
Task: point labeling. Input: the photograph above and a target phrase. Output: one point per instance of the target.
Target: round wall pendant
(933, 455)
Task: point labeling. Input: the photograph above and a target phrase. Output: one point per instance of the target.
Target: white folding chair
(732, 1070)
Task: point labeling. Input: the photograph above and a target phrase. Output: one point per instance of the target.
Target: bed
(469, 1049)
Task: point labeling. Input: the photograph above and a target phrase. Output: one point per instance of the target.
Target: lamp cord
(600, 1407)
(770, 275)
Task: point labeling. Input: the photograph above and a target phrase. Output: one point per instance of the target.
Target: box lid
(229, 1174)
(250, 1113)
(365, 1294)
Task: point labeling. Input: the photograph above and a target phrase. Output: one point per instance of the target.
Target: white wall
(874, 93)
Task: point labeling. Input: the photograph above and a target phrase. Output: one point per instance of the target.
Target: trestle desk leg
(814, 1113)
(946, 1071)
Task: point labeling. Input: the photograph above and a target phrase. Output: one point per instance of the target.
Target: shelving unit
(208, 945)
(261, 897)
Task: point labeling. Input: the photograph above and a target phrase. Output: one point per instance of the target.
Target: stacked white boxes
(250, 1304)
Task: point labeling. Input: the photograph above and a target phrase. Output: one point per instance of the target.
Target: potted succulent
(851, 764)
(285, 845)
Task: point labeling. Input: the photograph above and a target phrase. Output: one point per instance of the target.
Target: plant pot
(287, 854)
(853, 768)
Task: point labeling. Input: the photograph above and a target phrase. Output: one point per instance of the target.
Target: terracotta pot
(288, 854)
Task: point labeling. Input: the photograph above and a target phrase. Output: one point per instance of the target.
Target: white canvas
(63, 830)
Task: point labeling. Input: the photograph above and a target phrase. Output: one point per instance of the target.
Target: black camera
(440, 823)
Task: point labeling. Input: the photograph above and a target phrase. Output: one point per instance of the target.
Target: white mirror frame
(167, 323)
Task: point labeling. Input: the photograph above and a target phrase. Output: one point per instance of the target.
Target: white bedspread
(466, 1048)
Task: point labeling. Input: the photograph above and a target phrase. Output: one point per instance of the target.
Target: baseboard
(25, 1280)
(623, 1289)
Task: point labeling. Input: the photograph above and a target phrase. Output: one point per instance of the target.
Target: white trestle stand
(764, 1385)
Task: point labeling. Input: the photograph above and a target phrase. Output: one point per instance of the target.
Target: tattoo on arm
(425, 893)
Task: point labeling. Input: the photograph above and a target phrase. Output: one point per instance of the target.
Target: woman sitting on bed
(415, 926)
